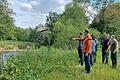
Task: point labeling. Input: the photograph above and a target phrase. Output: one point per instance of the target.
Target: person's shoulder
(96, 40)
(115, 40)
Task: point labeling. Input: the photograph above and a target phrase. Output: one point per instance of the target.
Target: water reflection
(7, 54)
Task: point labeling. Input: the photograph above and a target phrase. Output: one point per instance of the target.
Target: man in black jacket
(105, 49)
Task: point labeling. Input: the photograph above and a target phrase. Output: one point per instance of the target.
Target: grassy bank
(11, 45)
(55, 64)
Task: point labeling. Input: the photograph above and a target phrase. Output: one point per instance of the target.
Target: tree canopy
(6, 21)
(71, 22)
(108, 21)
(61, 28)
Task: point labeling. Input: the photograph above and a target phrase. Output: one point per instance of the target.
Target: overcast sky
(30, 13)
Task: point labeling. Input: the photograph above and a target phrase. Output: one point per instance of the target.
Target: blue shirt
(93, 45)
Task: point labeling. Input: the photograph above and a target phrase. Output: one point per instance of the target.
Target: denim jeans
(87, 63)
(94, 57)
(114, 57)
(105, 57)
(91, 59)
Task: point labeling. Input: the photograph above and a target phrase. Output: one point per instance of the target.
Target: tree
(6, 21)
(21, 34)
(39, 37)
(71, 22)
(110, 22)
(97, 6)
(50, 21)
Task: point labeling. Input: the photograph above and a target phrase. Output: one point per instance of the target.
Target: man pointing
(87, 49)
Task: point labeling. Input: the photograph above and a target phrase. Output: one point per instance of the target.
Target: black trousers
(105, 57)
(114, 57)
(81, 56)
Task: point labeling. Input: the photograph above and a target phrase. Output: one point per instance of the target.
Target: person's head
(86, 31)
(107, 36)
(80, 34)
(112, 37)
(93, 37)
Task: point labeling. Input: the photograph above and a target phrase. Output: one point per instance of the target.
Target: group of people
(110, 44)
(87, 49)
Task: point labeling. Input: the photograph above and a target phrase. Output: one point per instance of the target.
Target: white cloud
(33, 12)
(34, 2)
(61, 1)
(26, 6)
(44, 6)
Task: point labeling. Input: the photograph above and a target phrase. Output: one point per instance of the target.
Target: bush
(10, 45)
(38, 64)
(54, 64)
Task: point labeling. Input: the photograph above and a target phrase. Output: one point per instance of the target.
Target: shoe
(114, 66)
(88, 72)
(79, 66)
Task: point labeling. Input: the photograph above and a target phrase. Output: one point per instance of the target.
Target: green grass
(55, 64)
(10, 45)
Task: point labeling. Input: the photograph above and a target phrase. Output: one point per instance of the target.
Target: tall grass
(10, 45)
(55, 64)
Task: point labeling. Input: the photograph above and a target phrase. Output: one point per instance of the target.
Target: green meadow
(55, 64)
(46, 50)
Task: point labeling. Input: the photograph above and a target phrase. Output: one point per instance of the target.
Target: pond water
(7, 54)
(4, 56)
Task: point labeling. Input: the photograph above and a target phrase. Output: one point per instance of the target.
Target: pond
(7, 54)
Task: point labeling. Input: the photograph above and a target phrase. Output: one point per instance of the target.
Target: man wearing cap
(87, 49)
(105, 49)
(114, 51)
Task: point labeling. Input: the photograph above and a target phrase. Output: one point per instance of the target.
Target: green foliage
(71, 22)
(96, 4)
(55, 64)
(50, 23)
(6, 21)
(51, 19)
(43, 38)
(39, 37)
(8, 31)
(108, 21)
(21, 34)
(11, 45)
(95, 33)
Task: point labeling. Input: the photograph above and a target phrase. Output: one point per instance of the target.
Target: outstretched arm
(82, 39)
(77, 39)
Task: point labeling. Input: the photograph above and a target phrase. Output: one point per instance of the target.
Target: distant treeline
(61, 28)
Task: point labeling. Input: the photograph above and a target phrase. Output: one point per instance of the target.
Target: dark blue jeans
(81, 56)
(91, 59)
(105, 57)
(87, 63)
(114, 57)
(94, 57)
